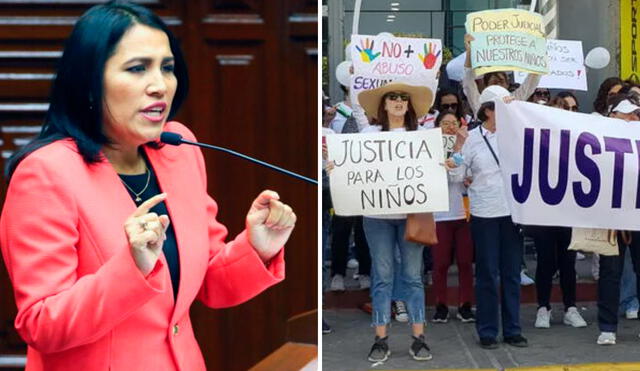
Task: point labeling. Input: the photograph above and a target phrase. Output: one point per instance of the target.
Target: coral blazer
(82, 302)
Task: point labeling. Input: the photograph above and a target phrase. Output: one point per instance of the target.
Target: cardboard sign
(563, 168)
(379, 60)
(388, 173)
(566, 66)
(448, 141)
(507, 40)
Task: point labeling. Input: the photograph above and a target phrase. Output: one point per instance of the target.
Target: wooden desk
(289, 357)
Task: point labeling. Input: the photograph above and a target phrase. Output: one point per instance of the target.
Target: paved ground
(454, 344)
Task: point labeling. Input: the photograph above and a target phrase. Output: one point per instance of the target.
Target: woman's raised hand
(269, 224)
(146, 232)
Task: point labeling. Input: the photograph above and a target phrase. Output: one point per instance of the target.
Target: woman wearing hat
(395, 107)
(497, 241)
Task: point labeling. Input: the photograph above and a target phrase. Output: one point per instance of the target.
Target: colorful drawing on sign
(507, 39)
(430, 57)
(366, 53)
(394, 59)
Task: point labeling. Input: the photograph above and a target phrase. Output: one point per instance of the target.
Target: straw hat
(421, 98)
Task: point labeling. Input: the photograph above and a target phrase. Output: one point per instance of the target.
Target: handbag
(421, 228)
(599, 241)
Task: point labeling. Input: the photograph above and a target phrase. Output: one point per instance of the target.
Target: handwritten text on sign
(569, 169)
(388, 173)
(566, 66)
(379, 60)
(507, 39)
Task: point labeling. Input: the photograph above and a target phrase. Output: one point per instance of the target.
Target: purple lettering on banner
(619, 146)
(553, 195)
(522, 190)
(638, 186)
(588, 168)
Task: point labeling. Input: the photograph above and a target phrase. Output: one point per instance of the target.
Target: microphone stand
(273, 167)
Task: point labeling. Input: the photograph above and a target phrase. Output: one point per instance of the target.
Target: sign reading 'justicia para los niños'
(564, 168)
(388, 173)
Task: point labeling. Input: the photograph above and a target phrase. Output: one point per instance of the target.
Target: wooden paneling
(253, 71)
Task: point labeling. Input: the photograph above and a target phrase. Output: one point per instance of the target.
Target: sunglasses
(449, 106)
(574, 108)
(395, 96)
(542, 93)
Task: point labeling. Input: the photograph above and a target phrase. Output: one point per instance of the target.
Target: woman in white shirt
(395, 107)
(497, 241)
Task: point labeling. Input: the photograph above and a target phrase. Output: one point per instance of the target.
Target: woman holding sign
(500, 78)
(395, 107)
(497, 241)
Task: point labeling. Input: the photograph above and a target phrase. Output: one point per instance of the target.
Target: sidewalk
(454, 344)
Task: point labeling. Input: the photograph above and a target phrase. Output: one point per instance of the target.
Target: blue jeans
(326, 222)
(498, 255)
(382, 236)
(628, 296)
(398, 292)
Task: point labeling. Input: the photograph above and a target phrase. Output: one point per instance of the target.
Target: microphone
(175, 139)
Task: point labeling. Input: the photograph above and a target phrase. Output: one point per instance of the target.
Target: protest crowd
(477, 233)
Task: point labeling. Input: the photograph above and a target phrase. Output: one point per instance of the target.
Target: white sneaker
(365, 281)
(337, 283)
(607, 338)
(573, 318)
(631, 314)
(543, 318)
(400, 311)
(525, 280)
(353, 264)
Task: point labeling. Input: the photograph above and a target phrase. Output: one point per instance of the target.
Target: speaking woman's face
(139, 85)
(396, 103)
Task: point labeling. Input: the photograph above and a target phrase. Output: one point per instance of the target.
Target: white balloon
(597, 58)
(455, 67)
(343, 75)
(347, 52)
(385, 34)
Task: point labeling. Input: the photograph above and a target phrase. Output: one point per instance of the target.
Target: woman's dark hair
(567, 94)
(600, 104)
(410, 118)
(559, 102)
(441, 116)
(75, 109)
(486, 105)
(443, 93)
(488, 76)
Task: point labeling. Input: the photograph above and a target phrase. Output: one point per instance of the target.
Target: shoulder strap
(489, 145)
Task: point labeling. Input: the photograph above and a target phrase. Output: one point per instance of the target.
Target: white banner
(563, 168)
(388, 173)
(379, 60)
(566, 66)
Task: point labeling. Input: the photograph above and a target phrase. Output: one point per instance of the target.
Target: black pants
(341, 228)
(609, 282)
(551, 247)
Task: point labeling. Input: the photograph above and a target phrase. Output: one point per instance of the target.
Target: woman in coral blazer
(104, 273)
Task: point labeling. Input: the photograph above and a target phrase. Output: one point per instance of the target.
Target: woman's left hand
(269, 224)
